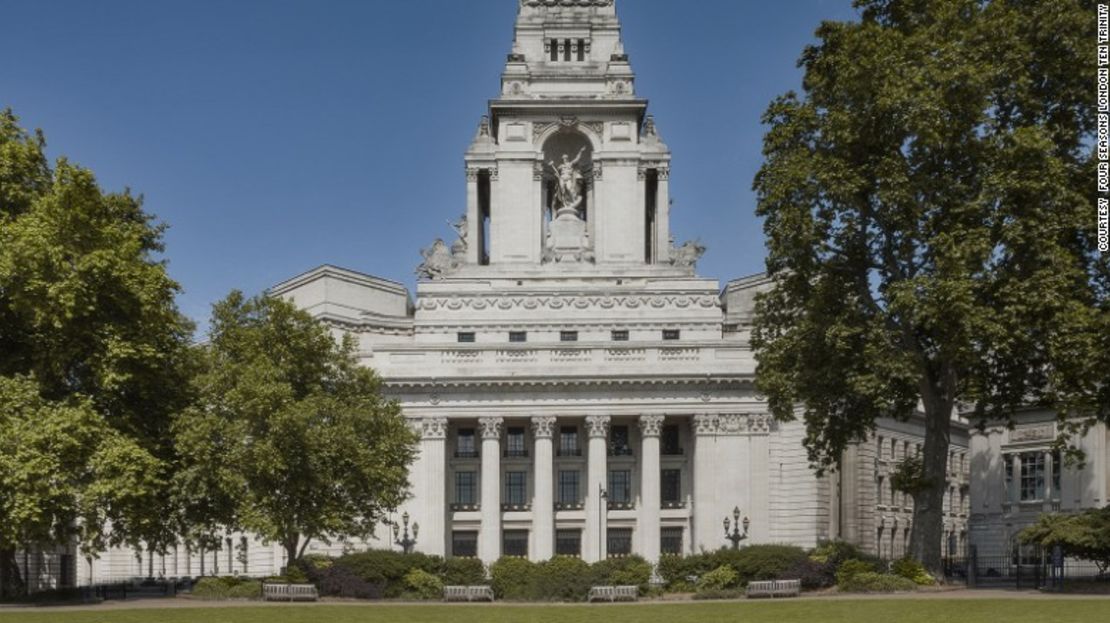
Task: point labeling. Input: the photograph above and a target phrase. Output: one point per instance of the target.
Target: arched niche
(564, 145)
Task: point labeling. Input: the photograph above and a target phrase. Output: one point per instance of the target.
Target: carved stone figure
(438, 261)
(567, 196)
(688, 254)
(462, 228)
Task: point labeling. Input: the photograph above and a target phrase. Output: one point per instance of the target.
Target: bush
(676, 570)
(245, 590)
(624, 571)
(463, 572)
(513, 578)
(914, 571)
(387, 569)
(719, 579)
(871, 582)
(424, 585)
(563, 578)
(762, 562)
(851, 568)
(341, 581)
(728, 593)
(813, 575)
(227, 587)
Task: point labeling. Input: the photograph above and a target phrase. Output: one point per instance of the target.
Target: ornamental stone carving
(434, 428)
(687, 255)
(491, 427)
(597, 425)
(651, 425)
(438, 263)
(759, 423)
(731, 424)
(543, 426)
(570, 3)
(705, 424)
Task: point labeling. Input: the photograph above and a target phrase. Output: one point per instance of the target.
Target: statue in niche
(438, 261)
(687, 255)
(567, 195)
(462, 228)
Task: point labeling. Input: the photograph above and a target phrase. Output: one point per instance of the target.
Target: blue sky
(277, 135)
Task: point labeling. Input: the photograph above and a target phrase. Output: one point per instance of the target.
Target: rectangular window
(670, 540)
(581, 50)
(554, 43)
(466, 485)
(619, 441)
(464, 544)
(466, 337)
(514, 443)
(466, 447)
(671, 334)
(568, 441)
(515, 543)
(568, 487)
(518, 337)
(568, 336)
(566, 50)
(880, 446)
(670, 440)
(620, 486)
(620, 542)
(671, 483)
(1032, 476)
(568, 542)
(619, 336)
(516, 488)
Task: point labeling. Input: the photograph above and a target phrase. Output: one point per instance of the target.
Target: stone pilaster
(706, 523)
(650, 494)
(543, 506)
(594, 543)
(489, 536)
(431, 505)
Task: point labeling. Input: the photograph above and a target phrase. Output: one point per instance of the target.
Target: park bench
(289, 592)
(614, 593)
(467, 593)
(775, 588)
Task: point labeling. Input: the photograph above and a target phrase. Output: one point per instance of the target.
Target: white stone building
(579, 389)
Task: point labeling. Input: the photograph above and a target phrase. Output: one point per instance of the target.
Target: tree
(1084, 535)
(291, 438)
(88, 318)
(931, 231)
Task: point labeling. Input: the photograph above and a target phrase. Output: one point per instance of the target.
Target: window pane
(568, 441)
(672, 486)
(568, 487)
(514, 443)
(620, 336)
(670, 439)
(618, 441)
(518, 336)
(465, 487)
(466, 337)
(516, 489)
(467, 447)
(620, 541)
(568, 336)
(670, 540)
(515, 543)
(568, 542)
(620, 486)
(464, 544)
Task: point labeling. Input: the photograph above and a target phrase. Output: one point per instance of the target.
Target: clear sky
(277, 135)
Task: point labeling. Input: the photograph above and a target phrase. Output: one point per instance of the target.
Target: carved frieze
(1040, 432)
(597, 425)
(651, 425)
(732, 424)
(568, 3)
(543, 426)
(561, 302)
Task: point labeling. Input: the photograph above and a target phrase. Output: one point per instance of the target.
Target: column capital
(704, 423)
(433, 428)
(651, 425)
(598, 425)
(491, 427)
(543, 426)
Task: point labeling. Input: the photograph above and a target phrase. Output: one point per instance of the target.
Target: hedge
(871, 582)
(220, 588)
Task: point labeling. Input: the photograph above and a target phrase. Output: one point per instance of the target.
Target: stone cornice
(698, 381)
(558, 302)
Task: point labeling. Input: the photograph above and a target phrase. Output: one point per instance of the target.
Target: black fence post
(973, 567)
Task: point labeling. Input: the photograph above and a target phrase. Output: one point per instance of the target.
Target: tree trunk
(11, 581)
(290, 545)
(927, 535)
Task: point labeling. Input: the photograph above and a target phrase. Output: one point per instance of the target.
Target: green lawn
(1076, 610)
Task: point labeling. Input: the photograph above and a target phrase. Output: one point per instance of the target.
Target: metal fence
(1025, 567)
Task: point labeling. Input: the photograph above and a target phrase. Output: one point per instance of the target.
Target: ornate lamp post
(735, 535)
(602, 507)
(405, 542)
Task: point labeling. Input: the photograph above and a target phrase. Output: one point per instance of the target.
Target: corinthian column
(594, 545)
(489, 537)
(650, 427)
(432, 509)
(543, 508)
(706, 521)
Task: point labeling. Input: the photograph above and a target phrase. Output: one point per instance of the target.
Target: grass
(1075, 610)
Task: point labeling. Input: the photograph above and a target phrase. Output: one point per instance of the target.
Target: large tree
(929, 213)
(88, 318)
(291, 438)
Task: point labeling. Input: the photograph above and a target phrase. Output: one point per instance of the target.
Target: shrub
(762, 562)
(871, 582)
(563, 578)
(728, 593)
(246, 590)
(719, 579)
(341, 581)
(463, 572)
(676, 570)
(424, 585)
(210, 588)
(623, 571)
(835, 552)
(813, 574)
(513, 578)
(296, 574)
(227, 587)
(914, 571)
(387, 569)
(851, 568)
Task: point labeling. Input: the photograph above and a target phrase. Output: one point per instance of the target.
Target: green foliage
(913, 570)
(623, 571)
(761, 562)
(930, 241)
(851, 568)
(870, 582)
(1084, 535)
(221, 588)
(676, 570)
(463, 572)
(563, 578)
(834, 552)
(423, 585)
(719, 579)
(513, 578)
(290, 438)
(909, 476)
(387, 568)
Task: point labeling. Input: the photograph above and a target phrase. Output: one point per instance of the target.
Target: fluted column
(431, 503)
(543, 507)
(1015, 482)
(594, 545)
(707, 520)
(489, 537)
(650, 494)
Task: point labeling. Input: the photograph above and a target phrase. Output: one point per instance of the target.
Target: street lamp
(602, 503)
(735, 535)
(405, 542)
